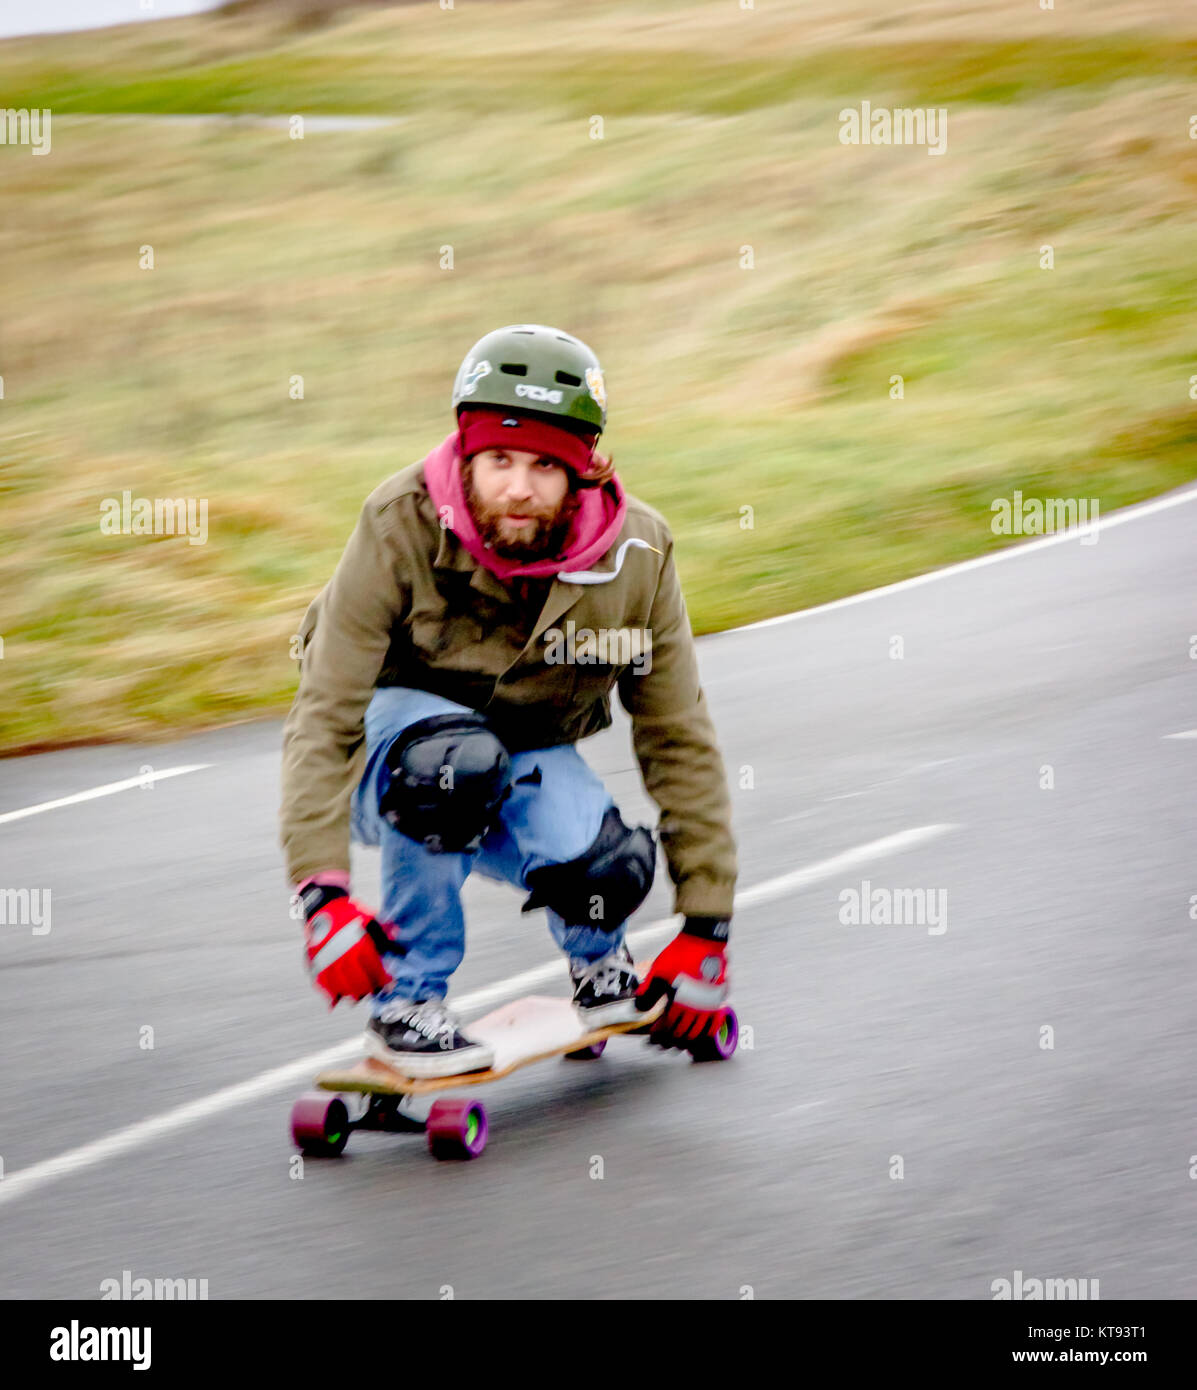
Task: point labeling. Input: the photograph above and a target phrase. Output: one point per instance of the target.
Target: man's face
(521, 502)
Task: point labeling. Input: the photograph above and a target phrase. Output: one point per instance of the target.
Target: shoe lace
(431, 1018)
(606, 975)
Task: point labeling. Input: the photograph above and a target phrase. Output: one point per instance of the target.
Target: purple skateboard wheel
(719, 1045)
(320, 1124)
(456, 1129)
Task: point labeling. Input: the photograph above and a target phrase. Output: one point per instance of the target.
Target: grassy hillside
(765, 387)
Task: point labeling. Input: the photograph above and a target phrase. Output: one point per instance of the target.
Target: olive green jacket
(408, 605)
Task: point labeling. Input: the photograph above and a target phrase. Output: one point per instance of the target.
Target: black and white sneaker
(423, 1038)
(605, 990)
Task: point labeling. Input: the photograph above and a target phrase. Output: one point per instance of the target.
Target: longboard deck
(523, 1031)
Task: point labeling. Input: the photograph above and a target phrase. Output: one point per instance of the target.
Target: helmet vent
(514, 368)
(568, 379)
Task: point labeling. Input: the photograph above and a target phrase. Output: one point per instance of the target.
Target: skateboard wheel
(587, 1054)
(456, 1129)
(719, 1045)
(320, 1124)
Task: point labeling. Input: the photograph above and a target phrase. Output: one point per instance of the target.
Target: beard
(542, 537)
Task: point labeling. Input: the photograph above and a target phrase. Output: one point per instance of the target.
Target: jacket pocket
(446, 639)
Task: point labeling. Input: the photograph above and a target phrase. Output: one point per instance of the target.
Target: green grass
(574, 83)
(730, 388)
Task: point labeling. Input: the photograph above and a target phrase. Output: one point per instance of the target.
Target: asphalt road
(1067, 908)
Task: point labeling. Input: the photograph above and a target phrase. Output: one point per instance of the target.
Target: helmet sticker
(539, 393)
(474, 374)
(594, 381)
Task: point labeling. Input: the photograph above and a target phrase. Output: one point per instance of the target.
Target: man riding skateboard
(488, 601)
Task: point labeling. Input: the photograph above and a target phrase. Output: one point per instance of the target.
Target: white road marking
(796, 1109)
(38, 1175)
(829, 868)
(106, 790)
(885, 781)
(995, 557)
(1188, 733)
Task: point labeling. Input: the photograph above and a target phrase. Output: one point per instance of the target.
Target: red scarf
(596, 524)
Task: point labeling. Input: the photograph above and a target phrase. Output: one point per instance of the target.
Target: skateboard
(373, 1095)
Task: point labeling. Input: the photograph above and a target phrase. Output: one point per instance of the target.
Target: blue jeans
(540, 823)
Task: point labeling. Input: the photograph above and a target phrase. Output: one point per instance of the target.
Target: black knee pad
(446, 777)
(603, 886)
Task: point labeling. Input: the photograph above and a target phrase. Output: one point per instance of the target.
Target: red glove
(344, 944)
(692, 971)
